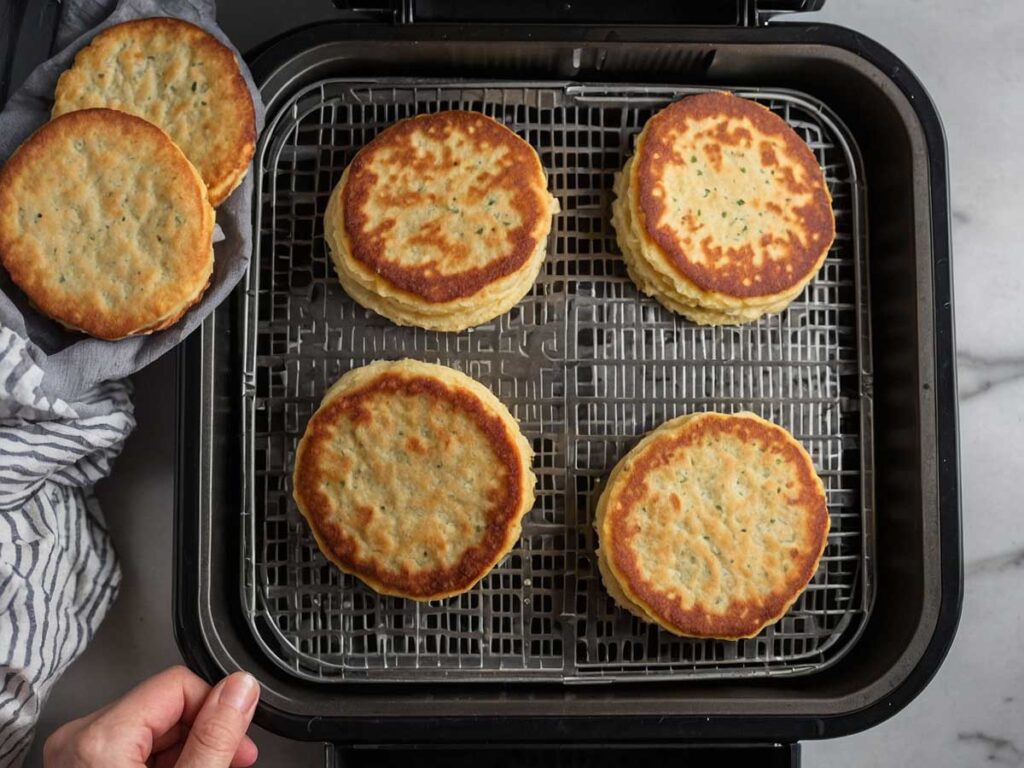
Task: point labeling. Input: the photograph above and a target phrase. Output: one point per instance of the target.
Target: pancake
(666, 291)
(441, 221)
(414, 478)
(179, 77)
(723, 213)
(105, 225)
(712, 526)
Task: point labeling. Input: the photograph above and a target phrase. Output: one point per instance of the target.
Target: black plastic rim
(625, 727)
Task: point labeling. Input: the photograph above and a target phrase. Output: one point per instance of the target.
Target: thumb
(221, 723)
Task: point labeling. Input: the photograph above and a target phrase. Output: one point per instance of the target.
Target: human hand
(172, 719)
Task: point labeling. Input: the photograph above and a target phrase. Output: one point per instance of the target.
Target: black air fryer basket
(860, 368)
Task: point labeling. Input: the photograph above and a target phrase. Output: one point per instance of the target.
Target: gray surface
(579, 374)
(972, 62)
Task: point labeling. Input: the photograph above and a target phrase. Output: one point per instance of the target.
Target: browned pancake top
(442, 205)
(411, 482)
(732, 196)
(717, 524)
(105, 225)
(176, 76)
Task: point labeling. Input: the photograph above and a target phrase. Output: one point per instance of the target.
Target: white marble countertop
(971, 59)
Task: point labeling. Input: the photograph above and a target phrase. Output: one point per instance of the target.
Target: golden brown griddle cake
(441, 221)
(722, 209)
(178, 76)
(413, 477)
(713, 525)
(105, 225)
(664, 288)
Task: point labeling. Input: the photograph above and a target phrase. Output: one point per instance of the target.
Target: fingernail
(240, 691)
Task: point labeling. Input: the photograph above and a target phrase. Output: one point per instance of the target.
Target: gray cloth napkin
(74, 363)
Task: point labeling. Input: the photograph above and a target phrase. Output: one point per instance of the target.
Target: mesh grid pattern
(585, 363)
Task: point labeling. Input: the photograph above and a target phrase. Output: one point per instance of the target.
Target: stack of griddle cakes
(106, 212)
(441, 221)
(712, 525)
(105, 224)
(722, 214)
(414, 477)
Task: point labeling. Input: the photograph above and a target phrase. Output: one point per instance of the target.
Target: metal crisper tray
(585, 363)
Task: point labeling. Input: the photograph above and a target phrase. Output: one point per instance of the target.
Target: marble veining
(998, 751)
(997, 563)
(978, 374)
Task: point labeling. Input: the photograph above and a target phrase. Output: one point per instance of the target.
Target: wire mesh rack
(585, 362)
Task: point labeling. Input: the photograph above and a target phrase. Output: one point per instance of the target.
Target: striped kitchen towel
(58, 573)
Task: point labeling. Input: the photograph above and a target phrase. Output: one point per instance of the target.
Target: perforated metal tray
(585, 363)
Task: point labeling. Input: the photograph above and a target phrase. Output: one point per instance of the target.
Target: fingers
(161, 702)
(218, 731)
(166, 759)
(167, 756)
(151, 724)
(57, 743)
(246, 754)
(175, 735)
